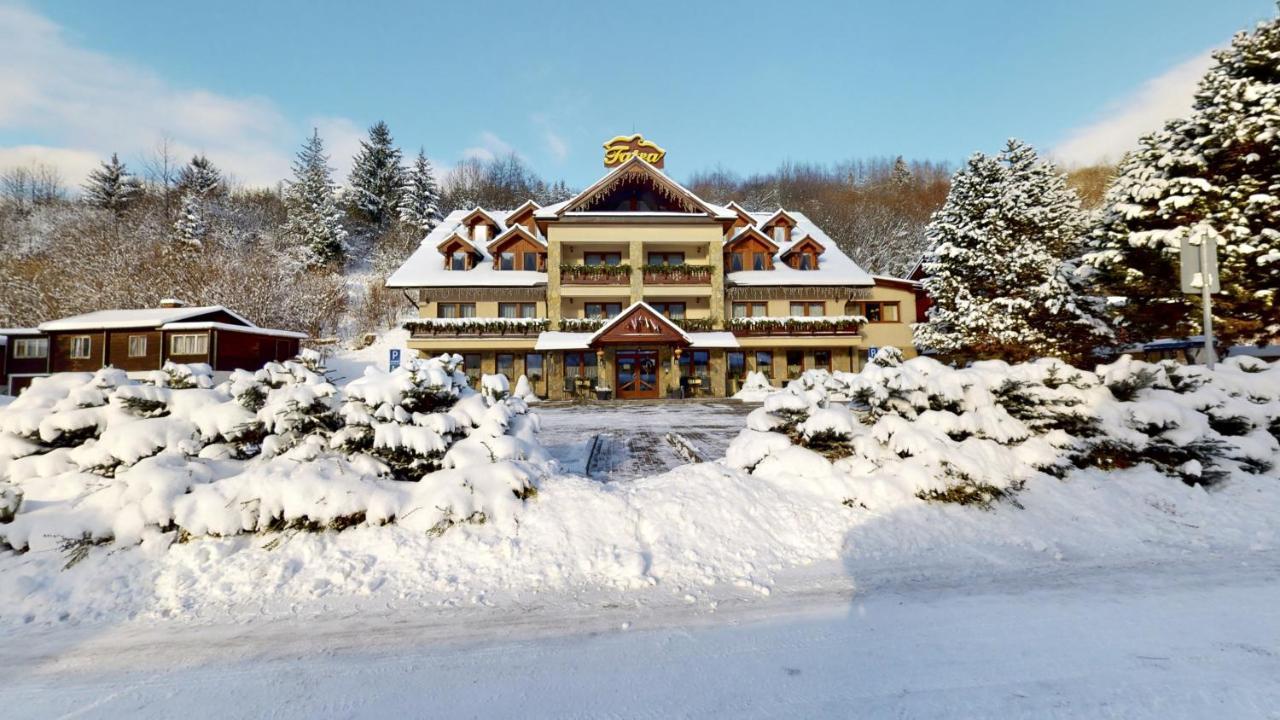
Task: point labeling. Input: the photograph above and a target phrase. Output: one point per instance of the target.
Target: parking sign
(395, 359)
(871, 352)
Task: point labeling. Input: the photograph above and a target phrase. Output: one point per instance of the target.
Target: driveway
(623, 441)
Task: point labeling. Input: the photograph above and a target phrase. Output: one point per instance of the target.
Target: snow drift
(91, 458)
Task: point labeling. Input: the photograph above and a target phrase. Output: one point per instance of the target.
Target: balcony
(694, 324)
(822, 325)
(595, 274)
(475, 327)
(573, 324)
(677, 274)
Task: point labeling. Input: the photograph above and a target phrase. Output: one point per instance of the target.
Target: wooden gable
(456, 243)
(806, 246)
(639, 324)
(518, 241)
(523, 215)
(782, 219)
(479, 216)
(636, 186)
(743, 218)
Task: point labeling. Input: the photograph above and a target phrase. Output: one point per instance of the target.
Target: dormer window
(806, 262)
(758, 261)
(480, 233)
(735, 262)
(458, 261)
(507, 261)
(779, 233)
(531, 261)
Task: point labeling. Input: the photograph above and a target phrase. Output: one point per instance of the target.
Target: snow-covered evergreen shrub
(94, 458)
(920, 428)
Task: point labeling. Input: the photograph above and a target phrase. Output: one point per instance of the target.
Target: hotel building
(637, 288)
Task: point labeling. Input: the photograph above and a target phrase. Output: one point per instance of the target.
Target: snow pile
(926, 430)
(755, 389)
(89, 458)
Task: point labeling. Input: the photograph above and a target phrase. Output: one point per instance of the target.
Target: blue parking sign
(871, 352)
(395, 359)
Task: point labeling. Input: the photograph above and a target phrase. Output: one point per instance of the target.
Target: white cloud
(1162, 98)
(557, 146)
(81, 102)
(73, 165)
(491, 146)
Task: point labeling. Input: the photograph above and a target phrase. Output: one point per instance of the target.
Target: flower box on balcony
(694, 324)
(464, 327)
(595, 274)
(823, 325)
(581, 324)
(677, 274)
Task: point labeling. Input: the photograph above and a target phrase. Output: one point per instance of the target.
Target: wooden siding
(249, 351)
(60, 359)
(197, 358)
(118, 350)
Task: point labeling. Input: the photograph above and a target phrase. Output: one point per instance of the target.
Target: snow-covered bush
(920, 428)
(755, 388)
(91, 458)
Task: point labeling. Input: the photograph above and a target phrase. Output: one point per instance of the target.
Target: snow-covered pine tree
(202, 177)
(1216, 172)
(313, 218)
(112, 187)
(192, 226)
(999, 270)
(902, 176)
(376, 177)
(420, 196)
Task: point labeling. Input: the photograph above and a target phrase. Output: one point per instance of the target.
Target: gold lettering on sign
(625, 147)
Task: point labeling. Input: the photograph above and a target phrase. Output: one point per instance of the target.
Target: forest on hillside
(311, 253)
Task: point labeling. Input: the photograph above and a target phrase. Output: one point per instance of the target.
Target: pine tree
(192, 226)
(420, 196)
(112, 187)
(902, 176)
(202, 177)
(377, 177)
(1000, 270)
(1215, 173)
(313, 219)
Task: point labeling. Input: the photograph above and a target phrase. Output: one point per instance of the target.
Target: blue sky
(743, 85)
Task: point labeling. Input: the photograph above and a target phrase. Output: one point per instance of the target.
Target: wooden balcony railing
(822, 325)
(475, 327)
(677, 274)
(595, 274)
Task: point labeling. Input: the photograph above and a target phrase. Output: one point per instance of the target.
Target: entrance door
(637, 372)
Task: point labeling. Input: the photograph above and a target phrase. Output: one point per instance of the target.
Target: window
(750, 309)
(517, 310)
(875, 312)
(579, 365)
(673, 310)
(779, 233)
(456, 310)
(533, 371)
(507, 366)
(30, 348)
(735, 370)
(695, 365)
(735, 262)
(822, 359)
(808, 308)
(458, 261)
(795, 363)
(531, 261)
(507, 261)
(481, 232)
(81, 347)
(602, 258)
(137, 346)
(758, 261)
(805, 262)
(666, 258)
(188, 344)
(471, 366)
(601, 310)
(764, 362)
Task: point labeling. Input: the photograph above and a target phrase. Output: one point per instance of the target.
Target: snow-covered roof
(834, 267)
(426, 266)
(555, 340)
(702, 340)
(6, 332)
(627, 310)
(199, 325)
(140, 317)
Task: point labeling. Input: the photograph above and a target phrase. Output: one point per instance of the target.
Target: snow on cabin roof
(209, 325)
(700, 340)
(834, 267)
(555, 340)
(426, 266)
(141, 317)
(627, 311)
(6, 332)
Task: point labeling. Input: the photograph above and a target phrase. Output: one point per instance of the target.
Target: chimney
(172, 303)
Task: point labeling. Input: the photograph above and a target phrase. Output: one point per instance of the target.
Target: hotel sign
(625, 147)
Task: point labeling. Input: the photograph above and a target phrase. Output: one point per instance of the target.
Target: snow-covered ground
(705, 590)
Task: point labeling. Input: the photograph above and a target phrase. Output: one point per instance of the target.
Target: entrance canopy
(640, 324)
